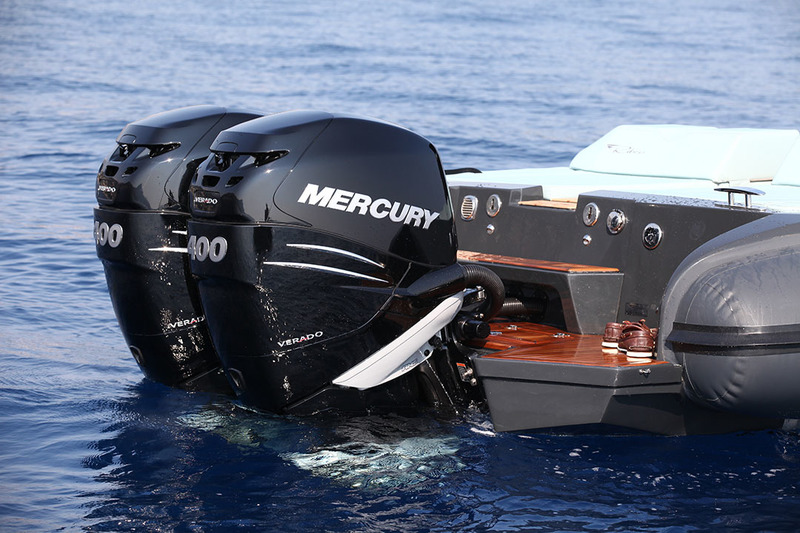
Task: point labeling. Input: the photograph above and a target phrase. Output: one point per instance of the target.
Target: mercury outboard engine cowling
(140, 233)
(326, 255)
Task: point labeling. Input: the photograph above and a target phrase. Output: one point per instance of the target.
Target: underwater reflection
(177, 458)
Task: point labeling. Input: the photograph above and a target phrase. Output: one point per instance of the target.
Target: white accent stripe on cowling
(337, 251)
(323, 268)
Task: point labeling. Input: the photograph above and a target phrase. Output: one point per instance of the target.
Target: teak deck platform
(542, 377)
(525, 341)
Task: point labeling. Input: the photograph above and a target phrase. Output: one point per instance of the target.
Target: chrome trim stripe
(180, 232)
(323, 268)
(183, 250)
(336, 251)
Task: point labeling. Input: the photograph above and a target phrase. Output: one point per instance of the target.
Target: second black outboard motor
(326, 255)
(140, 233)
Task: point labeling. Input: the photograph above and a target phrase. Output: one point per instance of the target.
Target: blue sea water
(87, 444)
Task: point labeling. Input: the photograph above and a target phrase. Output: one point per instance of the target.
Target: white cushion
(689, 152)
(789, 173)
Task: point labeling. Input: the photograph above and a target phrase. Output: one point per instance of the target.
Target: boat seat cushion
(669, 160)
(729, 155)
(562, 183)
(789, 173)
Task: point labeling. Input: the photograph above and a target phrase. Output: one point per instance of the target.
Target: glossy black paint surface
(140, 233)
(157, 156)
(360, 179)
(306, 228)
(154, 296)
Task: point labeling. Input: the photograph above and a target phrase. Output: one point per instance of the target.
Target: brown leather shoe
(612, 333)
(637, 340)
(637, 344)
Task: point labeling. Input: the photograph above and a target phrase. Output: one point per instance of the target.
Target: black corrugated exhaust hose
(457, 277)
(479, 275)
(514, 307)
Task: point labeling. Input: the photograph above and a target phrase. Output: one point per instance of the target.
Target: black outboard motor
(140, 233)
(326, 253)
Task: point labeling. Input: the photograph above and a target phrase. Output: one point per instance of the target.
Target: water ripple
(87, 444)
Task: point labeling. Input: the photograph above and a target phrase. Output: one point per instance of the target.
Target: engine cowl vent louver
(222, 160)
(269, 157)
(468, 207)
(234, 180)
(210, 181)
(161, 149)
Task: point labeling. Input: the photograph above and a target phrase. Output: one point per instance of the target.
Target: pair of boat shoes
(632, 338)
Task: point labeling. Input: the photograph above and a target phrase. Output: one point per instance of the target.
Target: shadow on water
(178, 461)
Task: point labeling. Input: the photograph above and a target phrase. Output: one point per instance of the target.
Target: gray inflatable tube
(731, 317)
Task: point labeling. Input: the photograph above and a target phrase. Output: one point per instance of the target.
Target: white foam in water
(369, 457)
(485, 432)
(480, 424)
(235, 426)
(360, 464)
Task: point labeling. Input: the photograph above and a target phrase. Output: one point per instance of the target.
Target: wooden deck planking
(556, 203)
(524, 341)
(464, 255)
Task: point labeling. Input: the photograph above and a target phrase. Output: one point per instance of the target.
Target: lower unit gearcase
(140, 232)
(325, 251)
